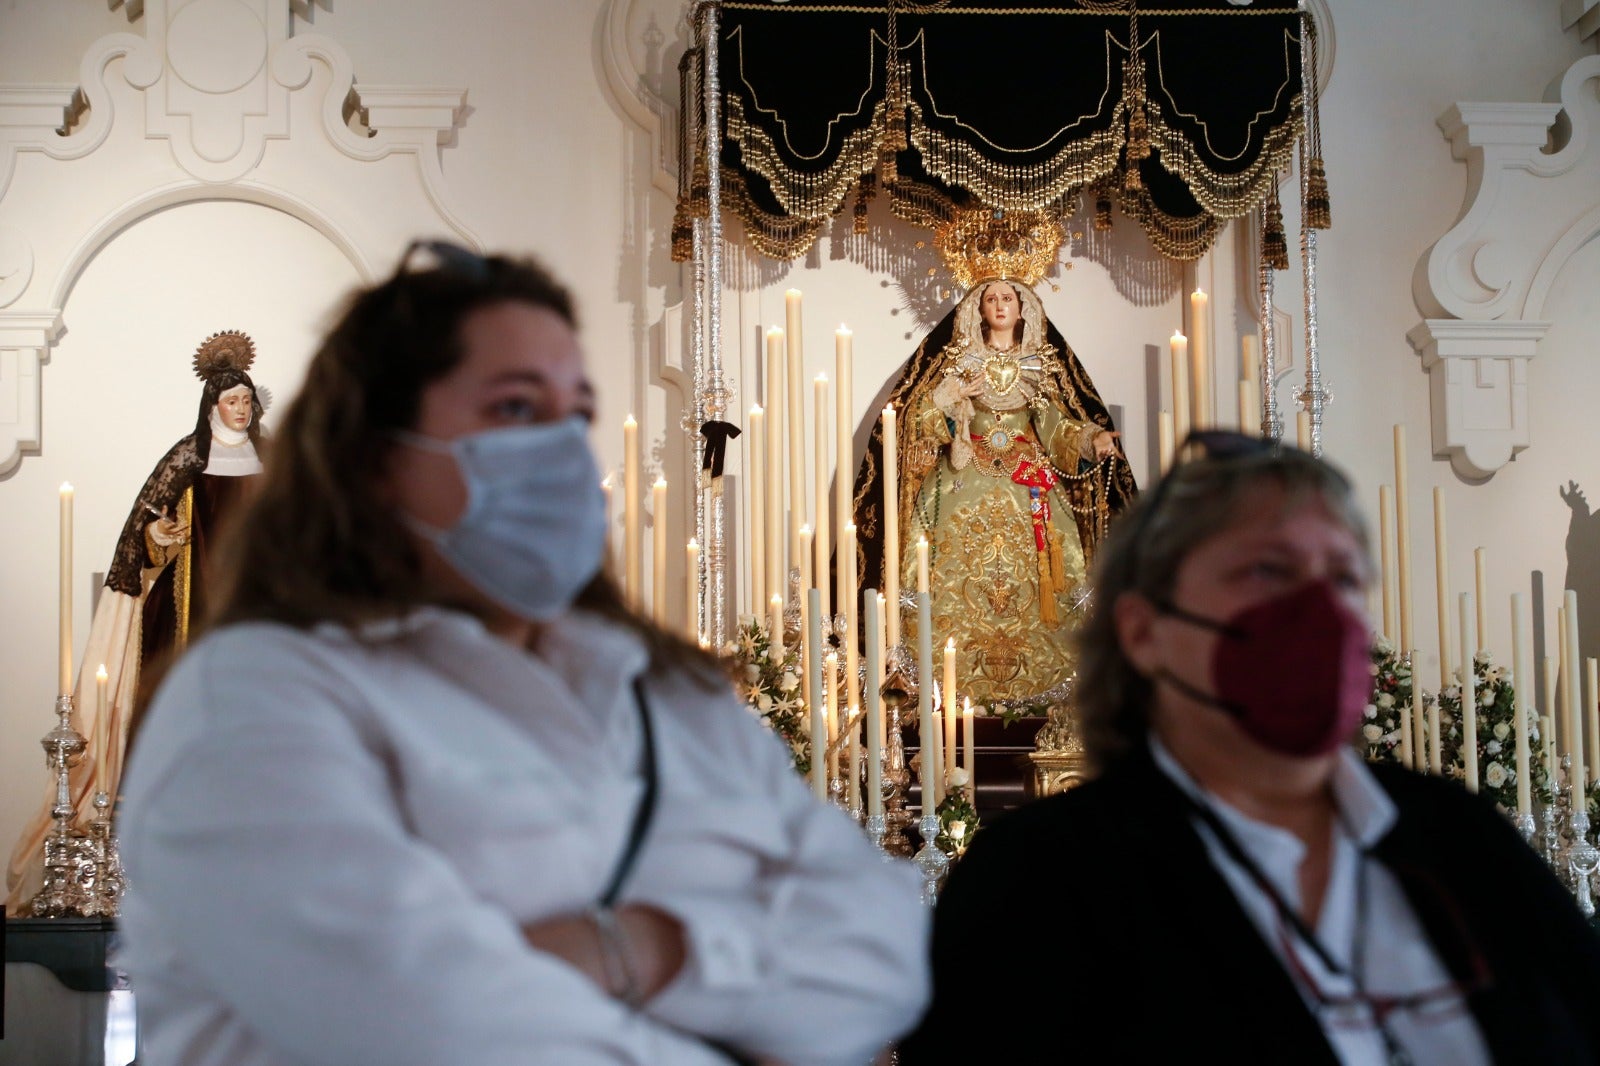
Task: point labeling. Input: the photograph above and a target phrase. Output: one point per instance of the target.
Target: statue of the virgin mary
(1009, 466)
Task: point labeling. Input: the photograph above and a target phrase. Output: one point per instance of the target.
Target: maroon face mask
(1295, 671)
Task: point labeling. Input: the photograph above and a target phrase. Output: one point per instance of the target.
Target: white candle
(1419, 725)
(1591, 676)
(883, 640)
(658, 564)
(610, 540)
(1201, 413)
(102, 731)
(847, 591)
(922, 564)
(951, 708)
(891, 528)
(776, 493)
(1302, 430)
(809, 655)
(1480, 573)
(1548, 724)
(1249, 409)
(65, 611)
(756, 476)
(807, 579)
(1249, 368)
(1402, 532)
(691, 592)
(1386, 557)
(797, 419)
(830, 688)
(1548, 668)
(775, 626)
(1180, 387)
(1574, 692)
(967, 762)
(928, 773)
(819, 712)
(1164, 440)
(1441, 573)
(1435, 751)
(1469, 697)
(844, 421)
(824, 554)
(631, 542)
(1521, 677)
(873, 624)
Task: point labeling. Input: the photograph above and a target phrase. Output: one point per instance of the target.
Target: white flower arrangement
(1496, 725)
(1385, 715)
(771, 688)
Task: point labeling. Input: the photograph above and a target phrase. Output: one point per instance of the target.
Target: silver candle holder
(82, 871)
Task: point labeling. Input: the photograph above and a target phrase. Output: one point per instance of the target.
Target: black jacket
(1092, 927)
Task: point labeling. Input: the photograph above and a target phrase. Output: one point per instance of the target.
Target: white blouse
(333, 839)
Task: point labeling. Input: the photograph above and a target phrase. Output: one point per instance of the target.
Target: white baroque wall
(559, 148)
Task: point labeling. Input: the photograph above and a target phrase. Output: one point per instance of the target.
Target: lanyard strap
(643, 813)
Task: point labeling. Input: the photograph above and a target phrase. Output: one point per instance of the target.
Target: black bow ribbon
(717, 435)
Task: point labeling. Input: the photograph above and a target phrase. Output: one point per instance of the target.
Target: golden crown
(979, 243)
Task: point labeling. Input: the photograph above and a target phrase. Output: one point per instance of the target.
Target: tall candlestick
(756, 476)
(1249, 367)
(1480, 576)
(852, 754)
(824, 555)
(819, 712)
(830, 689)
(102, 731)
(1435, 751)
(891, 528)
(777, 494)
(631, 542)
(922, 564)
(65, 612)
(1469, 697)
(1386, 556)
(809, 653)
(1402, 531)
(797, 419)
(967, 762)
(610, 557)
(951, 707)
(1441, 574)
(1574, 691)
(1548, 669)
(1201, 413)
(873, 624)
(807, 575)
(1548, 725)
(1180, 388)
(691, 592)
(844, 427)
(927, 774)
(1164, 439)
(658, 567)
(1302, 430)
(1249, 409)
(1521, 678)
(883, 640)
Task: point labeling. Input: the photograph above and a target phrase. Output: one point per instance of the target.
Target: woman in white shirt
(428, 793)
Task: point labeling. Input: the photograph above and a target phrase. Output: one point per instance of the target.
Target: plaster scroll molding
(1532, 200)
(630, 88)
(1584, 15)
(24, 340)
(216, 101)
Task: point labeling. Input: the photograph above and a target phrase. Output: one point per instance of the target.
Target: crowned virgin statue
(1009, 466)
(159, 575)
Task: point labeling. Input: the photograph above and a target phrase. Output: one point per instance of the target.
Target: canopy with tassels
(1183, 113)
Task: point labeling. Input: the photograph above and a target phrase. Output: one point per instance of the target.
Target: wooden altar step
(1001, 753)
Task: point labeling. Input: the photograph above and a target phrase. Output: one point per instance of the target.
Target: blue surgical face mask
(533, 532)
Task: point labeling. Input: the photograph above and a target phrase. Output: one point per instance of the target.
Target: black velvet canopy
(1021, 105)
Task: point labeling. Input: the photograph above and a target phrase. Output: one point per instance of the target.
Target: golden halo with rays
(228, 350)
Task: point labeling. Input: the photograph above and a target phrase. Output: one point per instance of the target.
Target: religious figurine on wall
(1009, 465)
(158, 576)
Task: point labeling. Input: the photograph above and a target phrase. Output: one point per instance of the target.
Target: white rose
(1369, 711)
(1485, 697)
(763, 703)
(789, 682)
(1495, 776)
(1451, 693)
(1392, 738)
(1501, 730)
(959, 778)
(1372, 733)
(1385, 700)
(1493, 747)
(1384, 646)
(752, 673)
(1482, 657)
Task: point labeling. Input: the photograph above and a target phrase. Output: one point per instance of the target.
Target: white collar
(224, 434)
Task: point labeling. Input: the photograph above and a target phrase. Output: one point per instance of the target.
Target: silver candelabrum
(83, 874)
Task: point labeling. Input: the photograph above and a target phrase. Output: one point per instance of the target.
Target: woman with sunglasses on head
(1236, 882)
(427, 792)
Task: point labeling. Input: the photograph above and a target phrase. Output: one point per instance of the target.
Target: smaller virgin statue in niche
(1009, 467)
(158, 577)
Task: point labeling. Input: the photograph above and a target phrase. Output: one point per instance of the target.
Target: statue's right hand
(167, 530)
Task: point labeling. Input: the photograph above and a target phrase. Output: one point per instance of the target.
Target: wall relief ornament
(1533, 199)
(215, 100)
